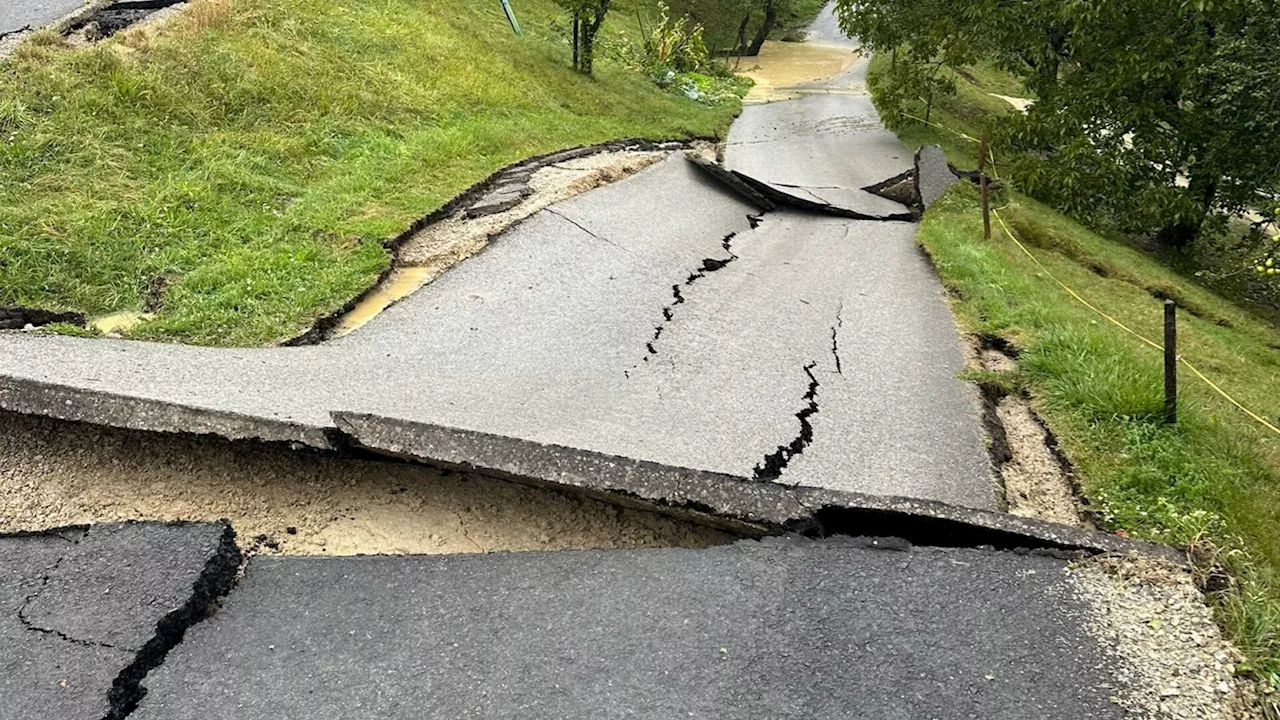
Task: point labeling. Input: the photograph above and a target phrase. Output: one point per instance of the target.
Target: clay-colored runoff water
(782, 67)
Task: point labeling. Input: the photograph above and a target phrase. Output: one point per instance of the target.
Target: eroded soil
(55, 473)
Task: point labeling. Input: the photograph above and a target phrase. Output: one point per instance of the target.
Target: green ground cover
(255, 154)
(1213, 480)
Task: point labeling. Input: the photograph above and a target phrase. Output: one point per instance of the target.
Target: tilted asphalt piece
(785, 628)
(933, 175)
(823, 147)
(86, 612)
(810, 349)
(743, 505)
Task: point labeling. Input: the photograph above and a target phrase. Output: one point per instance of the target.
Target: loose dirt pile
(55, 473)
(1169, 652)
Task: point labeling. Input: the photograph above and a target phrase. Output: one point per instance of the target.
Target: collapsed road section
(543, 335)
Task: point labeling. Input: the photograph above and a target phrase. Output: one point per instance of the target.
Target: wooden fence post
(982, 185)
(1170, 362)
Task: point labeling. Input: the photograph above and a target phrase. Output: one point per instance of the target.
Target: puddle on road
(55, 473)
(782, 66)
(118, 323)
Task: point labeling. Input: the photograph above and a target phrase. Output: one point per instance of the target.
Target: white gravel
(1168, 652)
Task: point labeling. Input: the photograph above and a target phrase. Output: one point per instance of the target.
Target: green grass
(971, 110)
(1211, 481)
(259, 151)
(1212, 477)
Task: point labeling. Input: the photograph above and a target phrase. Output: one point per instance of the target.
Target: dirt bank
(57, 473)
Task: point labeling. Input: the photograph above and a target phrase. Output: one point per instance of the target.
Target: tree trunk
(577, 37)
(770, 17)
(741, 47)
(1203, 191)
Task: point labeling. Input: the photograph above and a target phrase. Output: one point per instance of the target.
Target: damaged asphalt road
(19, 15)
(85, 613)
(663, 318)
(549, 335)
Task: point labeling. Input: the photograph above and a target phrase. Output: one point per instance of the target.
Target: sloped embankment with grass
(1213, 480)
(236, 169)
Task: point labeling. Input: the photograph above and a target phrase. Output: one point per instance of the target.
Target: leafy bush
(674, 56)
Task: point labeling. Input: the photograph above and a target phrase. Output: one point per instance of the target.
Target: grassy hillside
(1213, 480)
(254, 153)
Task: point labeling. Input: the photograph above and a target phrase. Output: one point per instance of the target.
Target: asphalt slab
(662, 318)
(85, 612)
(785, 628)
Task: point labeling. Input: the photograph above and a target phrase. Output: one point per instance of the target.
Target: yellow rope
(1130, 330)
(1089, 305)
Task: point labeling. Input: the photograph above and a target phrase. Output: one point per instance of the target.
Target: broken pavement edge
(739, 504)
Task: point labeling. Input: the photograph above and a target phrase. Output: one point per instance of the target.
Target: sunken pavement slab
(782, 628)
(86, 612)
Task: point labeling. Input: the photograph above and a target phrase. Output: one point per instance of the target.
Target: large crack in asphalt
(708, 266)
(835, 337)
(774, 463)
(215, 581)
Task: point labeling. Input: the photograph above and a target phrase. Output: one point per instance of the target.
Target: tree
(587, 17)
(1155, 115)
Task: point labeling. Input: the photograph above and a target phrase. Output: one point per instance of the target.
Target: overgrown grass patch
(259, 151)
(1212, 480)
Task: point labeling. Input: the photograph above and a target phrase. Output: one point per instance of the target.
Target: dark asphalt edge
(322, 327)
(216, 579)
(768, 198)
(752, 507)
(737, 504)
(65, 402)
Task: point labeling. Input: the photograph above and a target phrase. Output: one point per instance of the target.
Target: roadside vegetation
(1213, 480)
(235, 170)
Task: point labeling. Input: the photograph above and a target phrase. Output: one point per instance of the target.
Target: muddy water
(402, 283)
(783, 66)
(118, 322)
(55, 473)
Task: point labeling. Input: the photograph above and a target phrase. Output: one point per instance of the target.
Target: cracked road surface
(783, 628)
(656, 318)
(85, 612)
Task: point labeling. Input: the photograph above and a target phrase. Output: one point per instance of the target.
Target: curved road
(647, 319)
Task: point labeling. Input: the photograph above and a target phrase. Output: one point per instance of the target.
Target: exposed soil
(1036, 483)
(1168, 651)
(55, 473)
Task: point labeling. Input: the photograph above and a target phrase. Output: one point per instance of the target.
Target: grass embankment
(253, 154)
(1213, 480)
